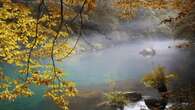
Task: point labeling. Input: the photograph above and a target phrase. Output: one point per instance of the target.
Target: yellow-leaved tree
(128, 8)
(32, 31)
(182, 24)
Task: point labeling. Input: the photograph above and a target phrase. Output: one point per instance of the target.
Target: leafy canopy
(30, 34)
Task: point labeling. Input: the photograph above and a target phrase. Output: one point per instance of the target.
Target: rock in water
(162, 87)
(148, 52)
(133, 96)
(156, 104)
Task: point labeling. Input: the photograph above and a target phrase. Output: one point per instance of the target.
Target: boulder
(148, 52)
(162, 88)
(133, 96)
(155, 104)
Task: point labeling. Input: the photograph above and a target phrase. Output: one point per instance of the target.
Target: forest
(97, 54)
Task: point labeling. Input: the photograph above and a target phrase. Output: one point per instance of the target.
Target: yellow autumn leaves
(158, 74)
(59, 92)
(12, 94)
(18, 24)
(128, 8)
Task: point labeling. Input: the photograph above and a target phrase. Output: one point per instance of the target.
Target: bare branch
(55, 38)
(81, 27)
(35, 39)
(58, 31)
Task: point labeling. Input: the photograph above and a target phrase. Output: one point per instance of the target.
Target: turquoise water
(22, 103)
(118, 63)
(121, 62)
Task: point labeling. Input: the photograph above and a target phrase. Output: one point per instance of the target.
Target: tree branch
(35, 39)
(81, 27)
(55, 38)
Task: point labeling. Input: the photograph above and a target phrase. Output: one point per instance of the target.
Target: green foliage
(158, 74)
(116, 99)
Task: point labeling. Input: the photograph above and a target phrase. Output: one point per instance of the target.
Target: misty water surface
(122, 62)
(118, 63)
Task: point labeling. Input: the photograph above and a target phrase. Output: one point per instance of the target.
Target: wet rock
(111, 106)
(182, 106)
(162, 87)
(148, 52)
(184, 45)
(133, 96)
(155, 104)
